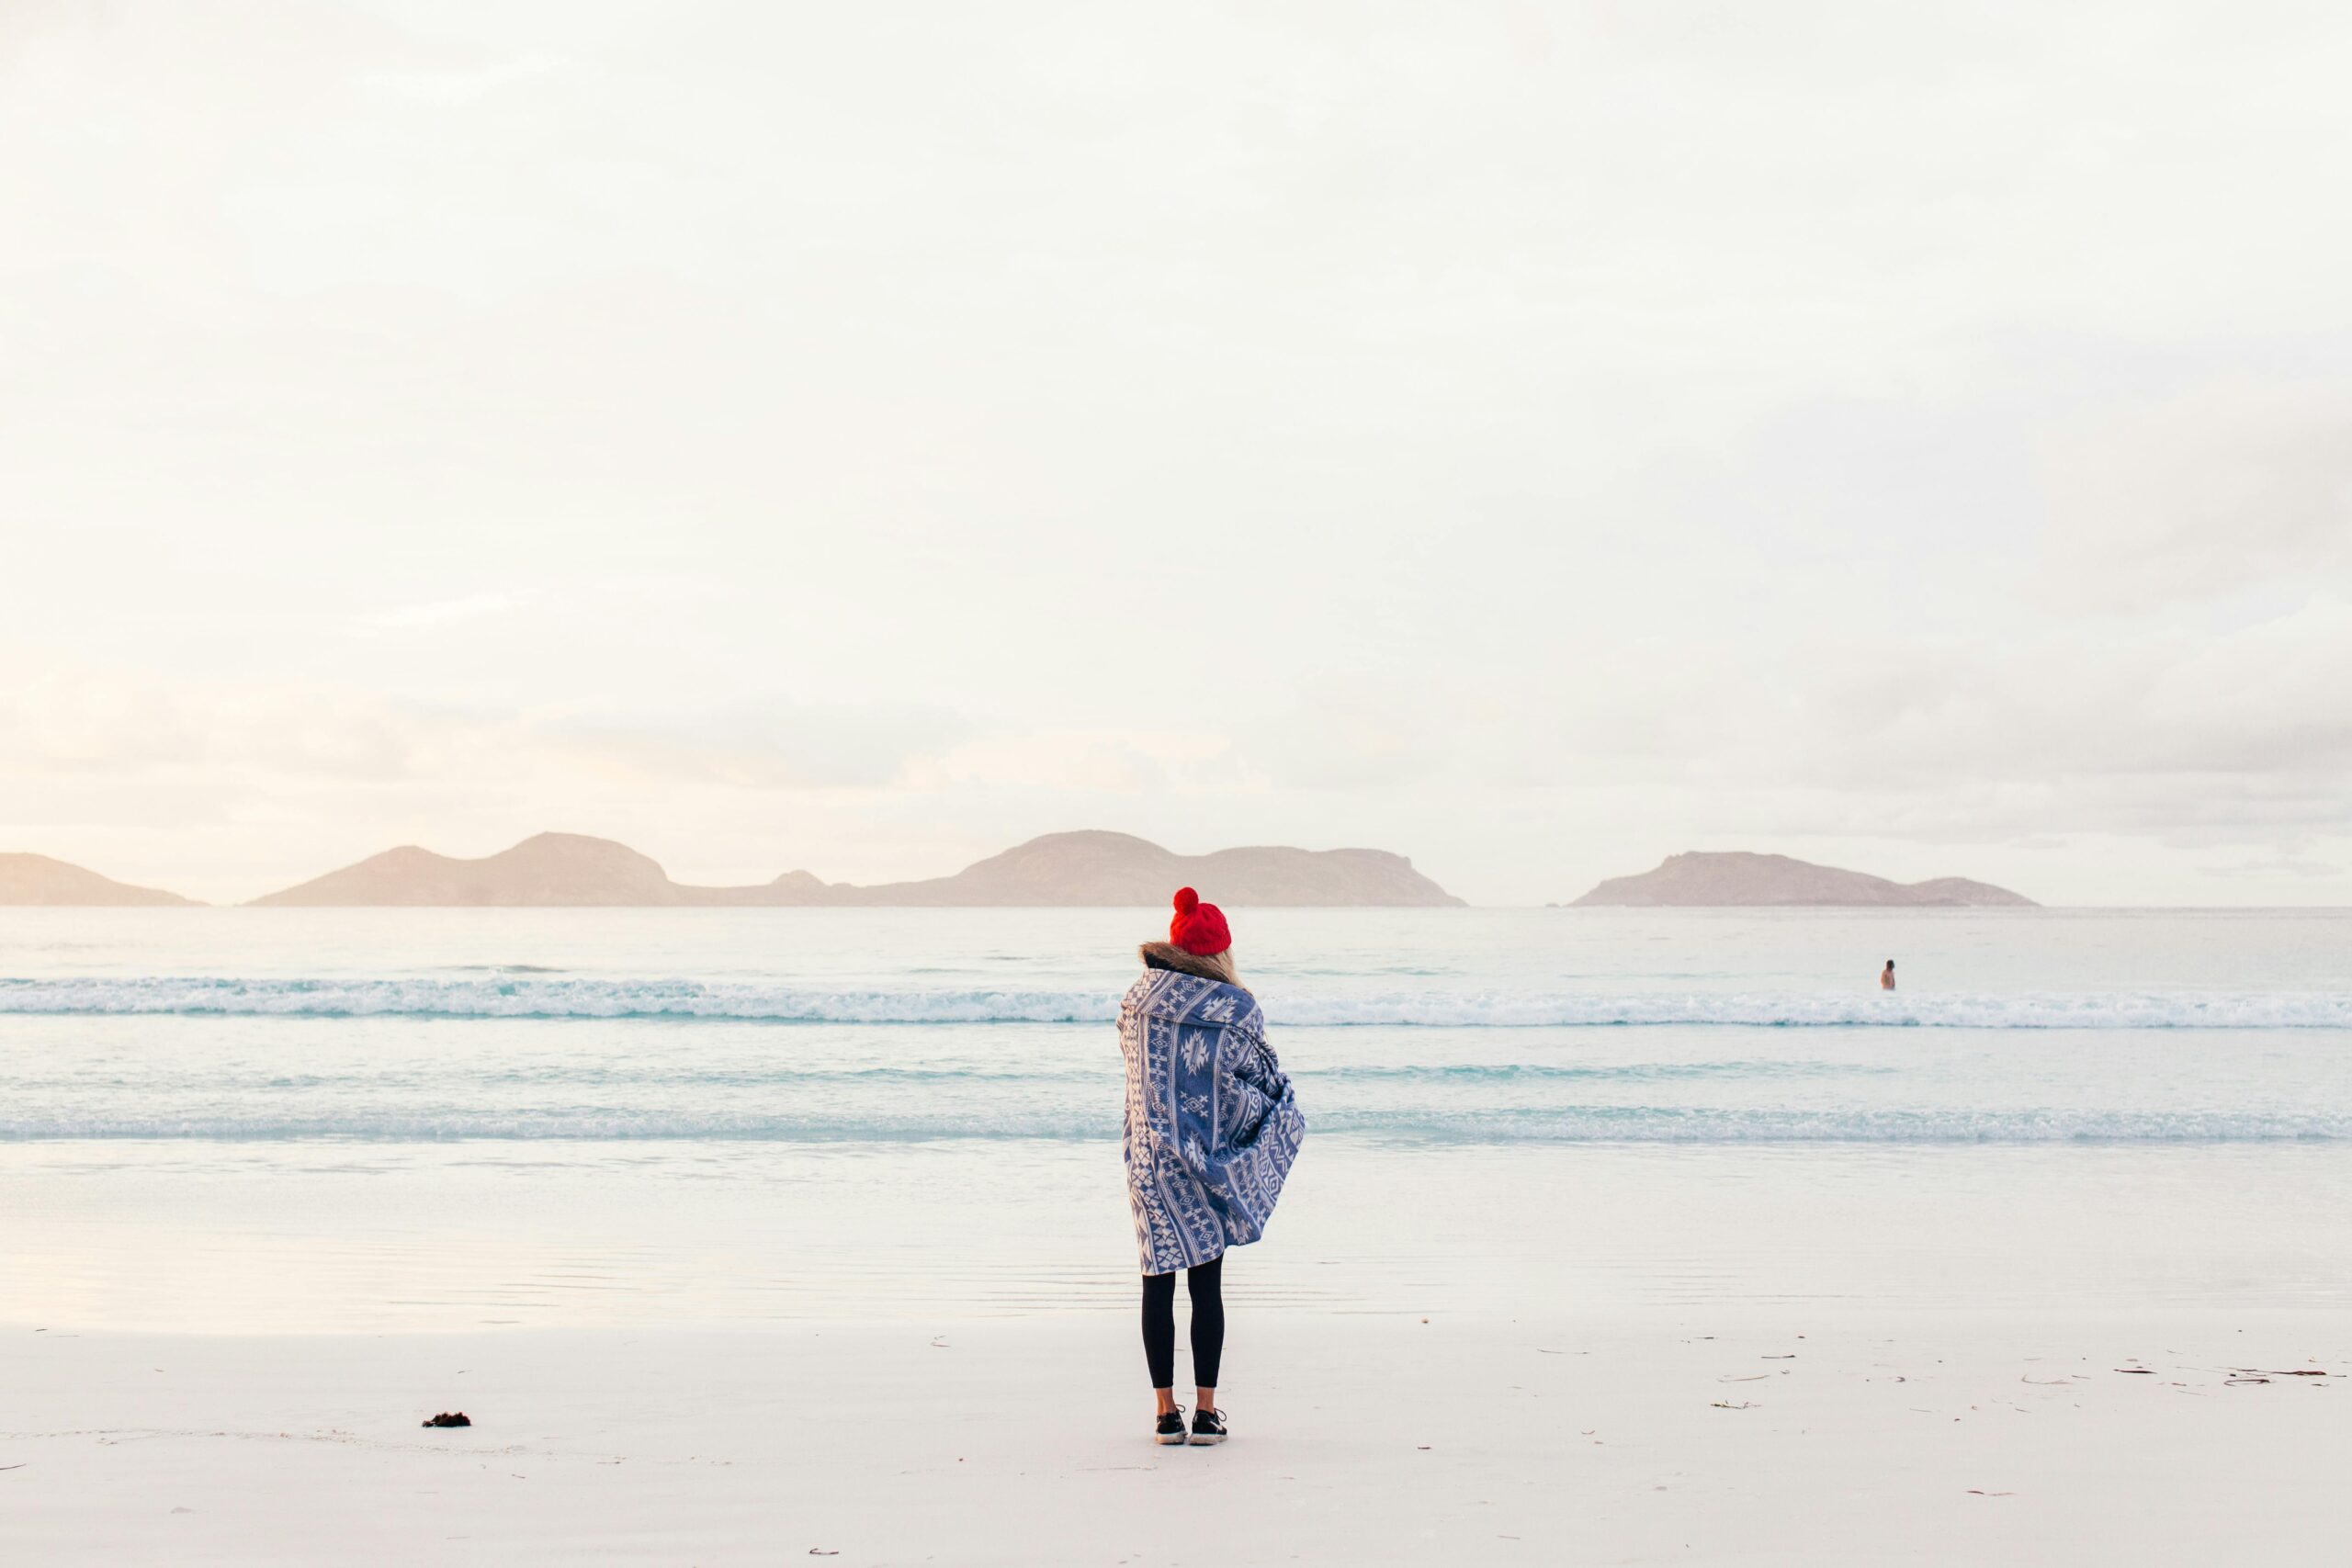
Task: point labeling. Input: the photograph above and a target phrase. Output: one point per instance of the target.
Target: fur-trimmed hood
(1168, 955)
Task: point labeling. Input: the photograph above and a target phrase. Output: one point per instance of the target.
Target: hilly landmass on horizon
(30, 879)
(1080, 869)
(1732, 878)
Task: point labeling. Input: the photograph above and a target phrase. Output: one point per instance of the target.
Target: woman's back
(1213, 1123)
(1212, 1128)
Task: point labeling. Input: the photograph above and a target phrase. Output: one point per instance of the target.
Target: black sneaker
(1169, 1433)
(1208, 1426)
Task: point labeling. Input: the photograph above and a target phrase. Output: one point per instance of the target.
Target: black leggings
(1205, 1286)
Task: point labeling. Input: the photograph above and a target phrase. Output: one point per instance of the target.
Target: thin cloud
(441, 612)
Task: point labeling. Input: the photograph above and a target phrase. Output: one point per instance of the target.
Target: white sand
(1891, 1437)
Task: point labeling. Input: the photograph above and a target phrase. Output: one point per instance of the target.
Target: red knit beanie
(1198, 928)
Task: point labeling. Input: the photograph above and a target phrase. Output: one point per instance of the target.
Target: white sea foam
(1490, 1125)
(616, 999)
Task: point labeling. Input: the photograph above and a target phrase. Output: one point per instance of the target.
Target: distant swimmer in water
(1886, 977)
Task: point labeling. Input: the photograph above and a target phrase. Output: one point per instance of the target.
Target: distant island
(1702, 879)
(28, 879)
(1061, 869)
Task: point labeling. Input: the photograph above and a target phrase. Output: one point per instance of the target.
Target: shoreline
(292, 1237)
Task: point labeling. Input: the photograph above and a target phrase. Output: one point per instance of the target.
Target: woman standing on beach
(1212, 1127)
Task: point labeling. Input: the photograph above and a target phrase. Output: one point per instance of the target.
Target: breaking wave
(1488, 1125)
(612, 998)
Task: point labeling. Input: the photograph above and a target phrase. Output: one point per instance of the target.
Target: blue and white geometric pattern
(1212, 1123)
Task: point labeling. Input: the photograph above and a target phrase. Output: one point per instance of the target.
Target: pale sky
(1531, 438)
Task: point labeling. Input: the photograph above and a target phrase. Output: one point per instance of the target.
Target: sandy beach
(1725, 1437)
(841, 1262)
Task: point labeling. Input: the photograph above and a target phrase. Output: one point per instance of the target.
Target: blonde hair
(1208, 967)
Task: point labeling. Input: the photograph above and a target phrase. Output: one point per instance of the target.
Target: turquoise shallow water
(1460, 1026)
(365, 1120)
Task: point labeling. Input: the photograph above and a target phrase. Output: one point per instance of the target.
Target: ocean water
(369, 1118)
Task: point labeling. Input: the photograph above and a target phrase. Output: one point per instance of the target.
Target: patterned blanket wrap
(1212, 1123)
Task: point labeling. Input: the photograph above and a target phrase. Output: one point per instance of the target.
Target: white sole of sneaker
(1174, 1442)
(1202, 1442)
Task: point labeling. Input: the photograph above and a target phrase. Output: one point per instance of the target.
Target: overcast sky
(1531, 438)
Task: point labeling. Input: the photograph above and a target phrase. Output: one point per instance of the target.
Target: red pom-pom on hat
(1199, 928)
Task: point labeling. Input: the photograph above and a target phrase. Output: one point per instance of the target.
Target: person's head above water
(1199, 928)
